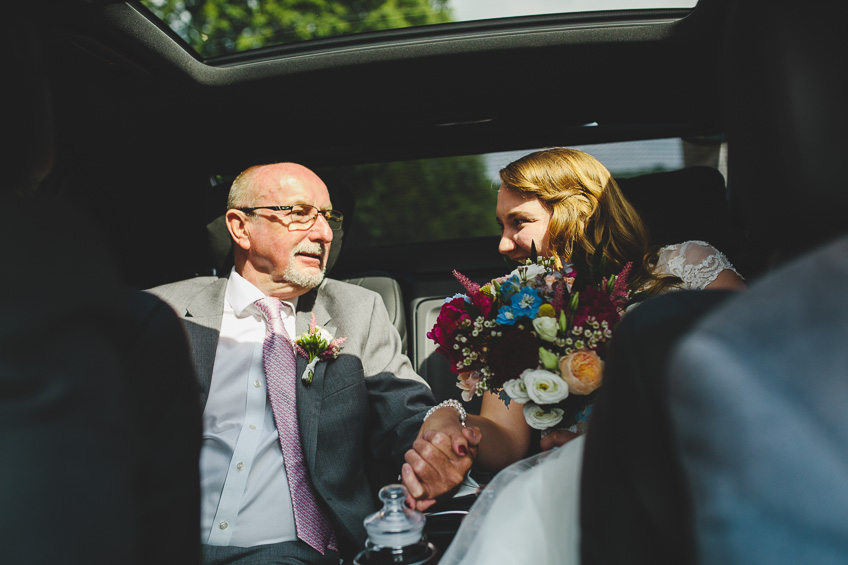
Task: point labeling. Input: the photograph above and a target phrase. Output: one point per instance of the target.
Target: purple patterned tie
(313, 525)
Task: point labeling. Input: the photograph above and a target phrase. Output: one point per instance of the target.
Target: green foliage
(395, 202)
(422, 200)
(218, 27)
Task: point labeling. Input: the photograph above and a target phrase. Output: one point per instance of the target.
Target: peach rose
(468, 381)
(582, 370)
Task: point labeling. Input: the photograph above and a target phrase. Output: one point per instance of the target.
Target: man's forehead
(288, 180)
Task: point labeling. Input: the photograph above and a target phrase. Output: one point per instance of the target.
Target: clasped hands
(440, 458)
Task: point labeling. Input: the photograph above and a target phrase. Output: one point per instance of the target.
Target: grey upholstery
(387, 287)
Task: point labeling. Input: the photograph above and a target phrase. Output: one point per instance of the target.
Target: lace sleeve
(697, 263)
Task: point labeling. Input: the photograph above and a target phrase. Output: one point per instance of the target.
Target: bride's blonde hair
(585, 202)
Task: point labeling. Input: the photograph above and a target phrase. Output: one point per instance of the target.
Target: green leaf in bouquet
(575, 301)
(513, 264)
(591, 272)
(599, 259)
(549, 359)
(611, 283)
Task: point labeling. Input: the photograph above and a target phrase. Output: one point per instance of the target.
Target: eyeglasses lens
(302, 216)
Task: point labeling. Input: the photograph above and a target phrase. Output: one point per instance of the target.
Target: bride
(562, 202)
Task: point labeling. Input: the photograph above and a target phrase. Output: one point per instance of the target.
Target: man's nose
(321, 230)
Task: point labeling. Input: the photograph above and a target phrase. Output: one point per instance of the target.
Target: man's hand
(439, 459)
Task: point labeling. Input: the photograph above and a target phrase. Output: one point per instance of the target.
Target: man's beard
(306, 277)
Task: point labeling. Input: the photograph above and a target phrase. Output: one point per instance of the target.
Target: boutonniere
(316, 344)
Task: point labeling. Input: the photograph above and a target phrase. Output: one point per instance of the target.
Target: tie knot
(271, 309)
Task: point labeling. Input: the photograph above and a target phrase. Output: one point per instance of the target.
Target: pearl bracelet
(453, 403)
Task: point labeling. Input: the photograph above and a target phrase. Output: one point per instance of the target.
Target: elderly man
(287, 442)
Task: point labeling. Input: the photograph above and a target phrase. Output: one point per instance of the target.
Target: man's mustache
(311, 248)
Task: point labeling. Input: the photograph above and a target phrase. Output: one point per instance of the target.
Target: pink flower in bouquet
(582, 371)
(443, 333)
(468, 381)
(483, 302)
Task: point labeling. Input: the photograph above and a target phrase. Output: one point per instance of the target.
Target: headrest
(785, 118)
(682, 205)
(389, 290)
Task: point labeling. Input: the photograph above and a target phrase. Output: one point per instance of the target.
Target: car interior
(408, 127)
(399, 124)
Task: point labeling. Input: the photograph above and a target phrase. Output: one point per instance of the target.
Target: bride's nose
(506, 245)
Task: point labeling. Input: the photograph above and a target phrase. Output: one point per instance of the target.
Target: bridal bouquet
(535, 336)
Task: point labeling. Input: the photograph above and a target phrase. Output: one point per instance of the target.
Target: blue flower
(583, 416)
(524, 304)
(509, 287)
(457, 295)
(505, 316)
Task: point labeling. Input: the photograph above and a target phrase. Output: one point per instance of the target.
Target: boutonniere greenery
(316, 344)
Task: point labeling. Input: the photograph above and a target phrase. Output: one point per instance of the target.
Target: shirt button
(240, 466)
(257, 384)
(252, 427)
(223, 525)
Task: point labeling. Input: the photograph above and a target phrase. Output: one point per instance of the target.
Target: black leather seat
(688, 204)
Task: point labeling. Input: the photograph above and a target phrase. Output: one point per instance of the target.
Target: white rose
(531, 271)
(516, 390)
(541, 419)
(546, 328)
(325, 335)
(527, 272)
(544, 387)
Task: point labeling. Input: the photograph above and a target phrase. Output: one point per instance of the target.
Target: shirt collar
(242, 294)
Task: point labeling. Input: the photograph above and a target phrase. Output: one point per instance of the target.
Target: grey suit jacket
(362, 409)
(758, 394)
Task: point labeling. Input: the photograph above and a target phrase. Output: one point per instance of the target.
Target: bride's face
(523, 220)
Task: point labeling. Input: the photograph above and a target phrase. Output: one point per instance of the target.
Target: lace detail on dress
(697, 263)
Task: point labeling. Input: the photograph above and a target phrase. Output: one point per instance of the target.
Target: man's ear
(237, 226)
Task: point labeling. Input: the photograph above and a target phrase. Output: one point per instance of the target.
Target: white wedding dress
(530, 512)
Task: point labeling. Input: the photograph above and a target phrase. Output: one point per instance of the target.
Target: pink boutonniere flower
(316, 344)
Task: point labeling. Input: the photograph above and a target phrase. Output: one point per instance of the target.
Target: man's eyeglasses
(301, 216)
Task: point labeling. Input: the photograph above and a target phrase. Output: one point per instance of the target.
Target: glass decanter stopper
(396, 532)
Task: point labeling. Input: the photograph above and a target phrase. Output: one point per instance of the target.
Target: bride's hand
(556, 438)
(438, 462)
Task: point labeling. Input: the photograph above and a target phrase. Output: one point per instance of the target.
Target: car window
(454, 198)
(220, 27)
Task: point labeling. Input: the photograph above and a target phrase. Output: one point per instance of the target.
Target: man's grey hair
(240, 195)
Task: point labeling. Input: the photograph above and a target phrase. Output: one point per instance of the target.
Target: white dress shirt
(245, 498)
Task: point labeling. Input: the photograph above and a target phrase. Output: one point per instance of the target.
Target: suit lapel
(309, 397)
(203, 316)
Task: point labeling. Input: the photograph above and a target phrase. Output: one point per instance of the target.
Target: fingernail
(462, 450)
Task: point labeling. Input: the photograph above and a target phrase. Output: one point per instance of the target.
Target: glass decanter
(396, 533)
